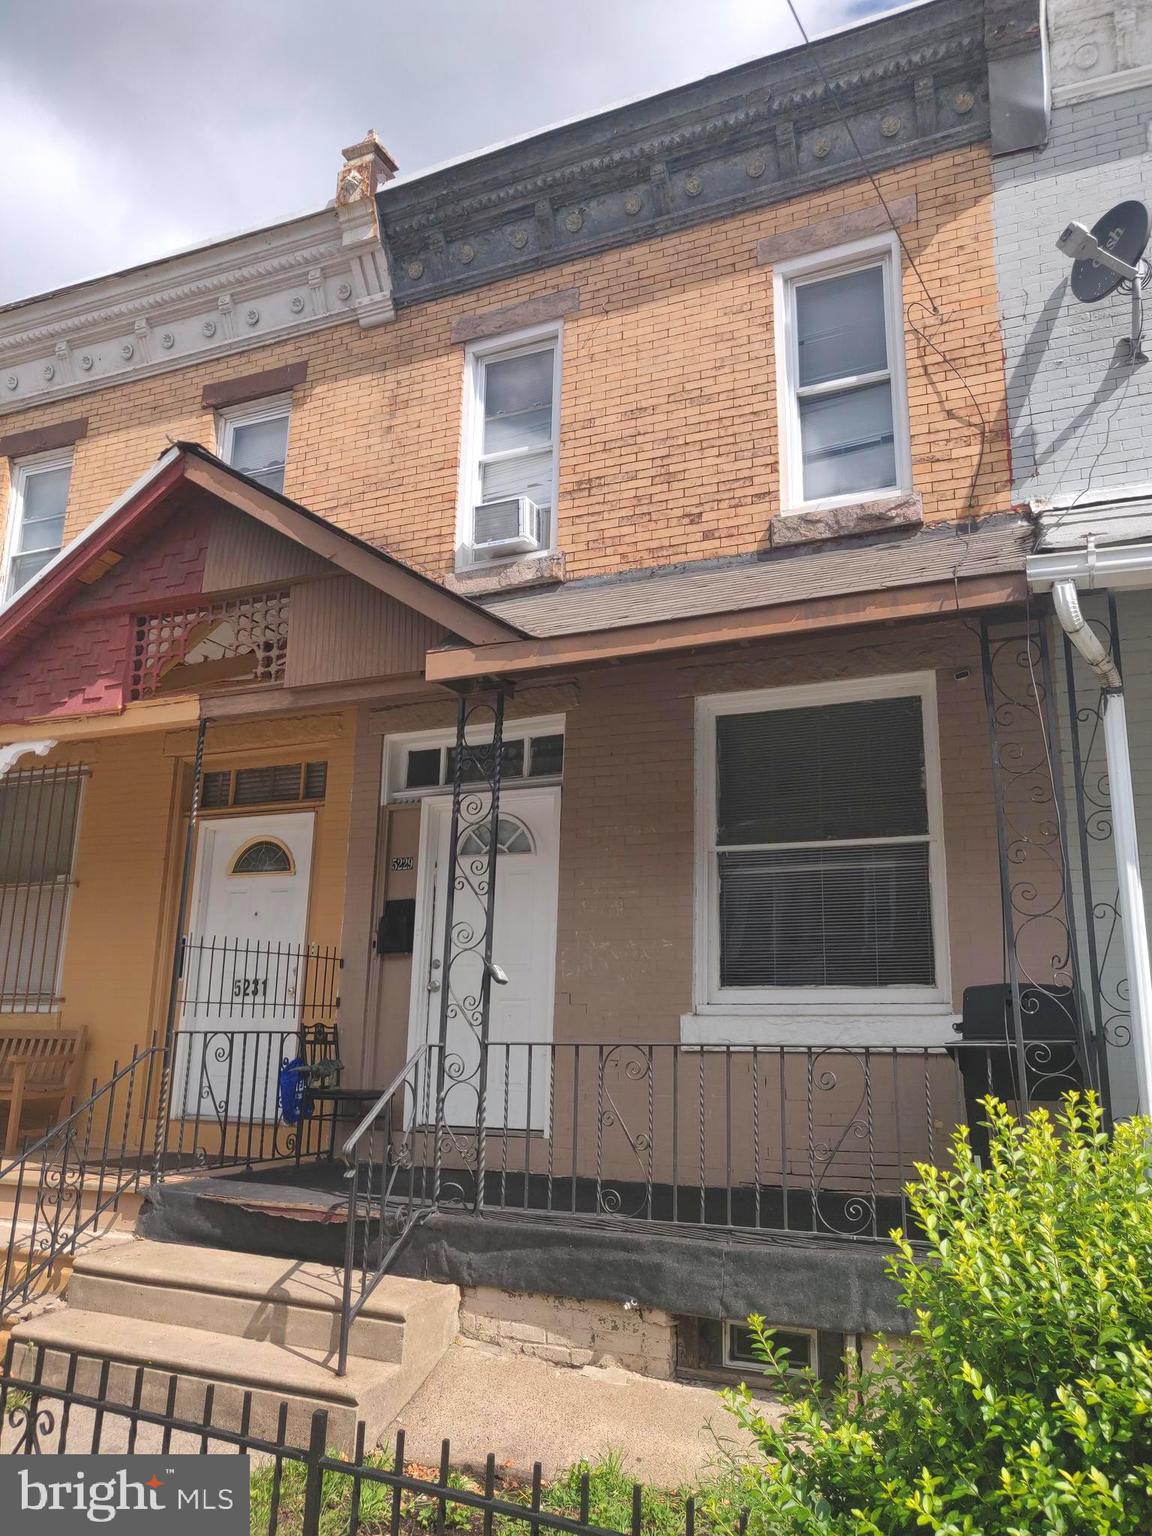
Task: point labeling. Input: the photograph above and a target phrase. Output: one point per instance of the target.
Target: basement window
(720, 1350)
(800, 1344)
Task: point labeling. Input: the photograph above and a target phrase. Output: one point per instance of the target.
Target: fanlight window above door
(263, 857)
(512, 836)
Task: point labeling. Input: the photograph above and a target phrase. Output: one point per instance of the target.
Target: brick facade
(668, 447)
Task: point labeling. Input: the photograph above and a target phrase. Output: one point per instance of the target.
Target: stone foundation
(575, 1333)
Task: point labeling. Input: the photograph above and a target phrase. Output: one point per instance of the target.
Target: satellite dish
(1123, 234)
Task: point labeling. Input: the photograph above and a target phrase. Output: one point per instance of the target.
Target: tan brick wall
(668, 445)
(624, 956)
(569, 1332)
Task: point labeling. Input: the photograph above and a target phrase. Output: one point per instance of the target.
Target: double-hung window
(843, 411)
(821, 850)
(254, 439)
(511, 426)
(36, 517)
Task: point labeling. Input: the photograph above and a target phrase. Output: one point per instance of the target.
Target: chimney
(367, 166)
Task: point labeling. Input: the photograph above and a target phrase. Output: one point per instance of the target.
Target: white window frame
(476, 355)
(733, 1362)
(882, 251)
(21, 471)
(737, 1014)
(393, 791)
(271, 408)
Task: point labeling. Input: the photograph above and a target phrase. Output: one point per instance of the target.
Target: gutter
(1064, 573)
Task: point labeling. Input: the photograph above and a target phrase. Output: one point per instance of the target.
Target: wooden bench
(37, 1065)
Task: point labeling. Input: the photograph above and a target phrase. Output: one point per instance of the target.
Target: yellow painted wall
(121, 922)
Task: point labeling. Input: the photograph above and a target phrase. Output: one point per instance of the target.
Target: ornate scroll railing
(465, 967)
(757, 1140)
(1041, 958)
(1099, 925)
(66, 1185)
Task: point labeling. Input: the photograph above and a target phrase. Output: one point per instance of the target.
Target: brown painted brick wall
(668, 444)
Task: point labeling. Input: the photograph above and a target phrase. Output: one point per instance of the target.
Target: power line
(828, 86)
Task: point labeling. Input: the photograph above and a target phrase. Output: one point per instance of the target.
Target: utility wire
(828, 86)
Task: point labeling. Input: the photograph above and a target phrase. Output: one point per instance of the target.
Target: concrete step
(302, 1379)
(250, 1296)
(238, 1322)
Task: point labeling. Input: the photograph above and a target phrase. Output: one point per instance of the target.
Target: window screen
(822, 847)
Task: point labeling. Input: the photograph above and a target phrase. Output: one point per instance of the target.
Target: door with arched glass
(523, 947)
(248, 925)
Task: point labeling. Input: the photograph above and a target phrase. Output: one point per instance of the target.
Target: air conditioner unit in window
(511, 526)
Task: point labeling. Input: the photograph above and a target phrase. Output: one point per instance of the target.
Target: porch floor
(316, 1190)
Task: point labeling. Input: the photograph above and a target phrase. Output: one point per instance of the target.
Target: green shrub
(1023, 1405)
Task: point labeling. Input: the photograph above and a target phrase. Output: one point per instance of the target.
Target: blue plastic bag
(295, 1100)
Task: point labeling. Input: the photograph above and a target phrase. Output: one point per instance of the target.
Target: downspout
(1088, 643)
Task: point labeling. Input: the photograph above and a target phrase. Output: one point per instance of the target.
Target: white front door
(243, 967)
(523, 947)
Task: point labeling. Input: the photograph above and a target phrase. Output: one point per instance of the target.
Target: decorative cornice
(911, 85)
(214, 301)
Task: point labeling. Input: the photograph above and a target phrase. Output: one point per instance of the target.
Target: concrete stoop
(241, 1323)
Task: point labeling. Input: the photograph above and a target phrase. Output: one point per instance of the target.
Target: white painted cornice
(218, 299)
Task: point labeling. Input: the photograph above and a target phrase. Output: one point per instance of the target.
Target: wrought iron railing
(392, 1181)
(754, 1139)
(304, 1484)
(228, 1108)
(64, 1186)
(817, 1142)
(268, 981)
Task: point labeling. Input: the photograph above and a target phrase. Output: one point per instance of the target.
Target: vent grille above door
(279, 784)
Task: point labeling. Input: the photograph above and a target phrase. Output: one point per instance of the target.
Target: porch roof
(154, 495)
(949, 567)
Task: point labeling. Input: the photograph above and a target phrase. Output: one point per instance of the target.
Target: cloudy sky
(131, 128)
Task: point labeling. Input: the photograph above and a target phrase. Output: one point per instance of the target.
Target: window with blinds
(823, 848)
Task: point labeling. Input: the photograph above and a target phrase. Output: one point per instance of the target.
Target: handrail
(101, 1140)
(53, 1132)
(373, 1114)
(370, 1246)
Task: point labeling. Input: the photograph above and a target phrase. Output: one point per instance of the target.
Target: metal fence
(70, 1404)
(797, 1139)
